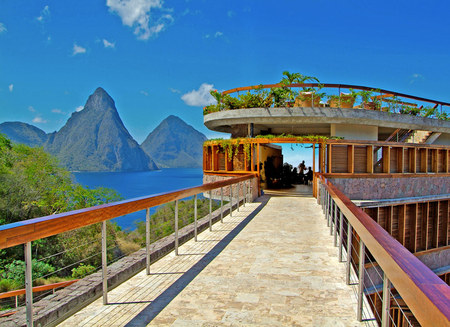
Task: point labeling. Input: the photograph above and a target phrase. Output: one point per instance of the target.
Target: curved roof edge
(221, 121)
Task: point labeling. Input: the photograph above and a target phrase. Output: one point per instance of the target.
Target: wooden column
(329, 152)
(424, 160)
(400, 160)
(351, 159)
(435, 160)
(369, 150)
(415, 228)
(412, 160)
(386, 153)
(401, 224)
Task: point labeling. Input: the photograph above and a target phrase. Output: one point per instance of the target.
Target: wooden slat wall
(350, 158)
(360, 159)
(418, 226)
(339, 159)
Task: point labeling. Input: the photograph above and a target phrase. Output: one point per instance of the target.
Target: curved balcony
(337, 117)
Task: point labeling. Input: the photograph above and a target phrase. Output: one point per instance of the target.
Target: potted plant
(368, 101)
(309, 97)
(344, 100)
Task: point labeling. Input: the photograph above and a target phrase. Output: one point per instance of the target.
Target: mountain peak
(100, 100)
(175, 144)
(95, 139)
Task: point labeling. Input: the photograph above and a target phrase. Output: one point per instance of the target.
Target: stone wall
(391, 188)
(226, 190)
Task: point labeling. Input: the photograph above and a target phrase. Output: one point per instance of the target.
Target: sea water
(136, 184)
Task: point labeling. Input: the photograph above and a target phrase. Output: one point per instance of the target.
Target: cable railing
(410, 291)
(24, 232)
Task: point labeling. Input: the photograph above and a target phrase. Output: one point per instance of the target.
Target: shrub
(16, 270)
(82, 271)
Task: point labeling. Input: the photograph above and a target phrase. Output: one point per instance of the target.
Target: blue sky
(157, 58)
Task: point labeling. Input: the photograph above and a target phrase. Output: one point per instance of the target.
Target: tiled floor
(271, 264)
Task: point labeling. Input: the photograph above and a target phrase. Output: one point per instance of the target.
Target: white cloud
(108, 44)
(200, 97)
(78, 49)
(140, 15)
(31, 108)
(174, 90)
(415, 77)
(39, 120)
(79, 108)
(45, 13)
(2, 28)
(57, 111)
(230, 13)
(218, 34)
(11, 87)
(144, 93)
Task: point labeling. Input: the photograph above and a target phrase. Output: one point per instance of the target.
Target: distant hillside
(175, 144)
(24, 133)
(95, 139)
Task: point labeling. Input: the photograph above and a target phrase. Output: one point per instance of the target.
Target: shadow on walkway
(156, 306)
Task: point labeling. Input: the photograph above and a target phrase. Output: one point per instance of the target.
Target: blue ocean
(136, 184)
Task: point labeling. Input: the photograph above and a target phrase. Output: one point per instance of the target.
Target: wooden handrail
(41, 288)
(37, 228)
(343, 86)
(426, 295)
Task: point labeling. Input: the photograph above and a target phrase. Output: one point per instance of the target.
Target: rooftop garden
(298, 90)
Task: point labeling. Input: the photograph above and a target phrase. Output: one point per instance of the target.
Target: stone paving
(271, 264)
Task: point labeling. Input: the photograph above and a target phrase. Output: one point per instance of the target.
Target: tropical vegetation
(32, 184)
(287, 93)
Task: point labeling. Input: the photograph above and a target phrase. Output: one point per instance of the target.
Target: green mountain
(175, 144)
(24, 133)
(95, 139)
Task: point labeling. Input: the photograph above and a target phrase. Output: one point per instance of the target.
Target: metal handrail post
(327, 208)
(335, 223)
(362, 250)
(104, 264)
(176, 227)
(147, 240)
(341, 234)
(195, 217)
(29, 283)
(244, 191)
(386, 304)
(238, 187)
(349, 252)
(221, 204)
(210, 210)
(332, 214)
(231, 200)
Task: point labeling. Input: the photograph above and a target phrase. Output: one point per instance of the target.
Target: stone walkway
(271, 264)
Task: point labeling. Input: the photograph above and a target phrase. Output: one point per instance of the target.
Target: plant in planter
(344, 100)
(410, 110)
(308, 97)
(280, 96)
(368, 100)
